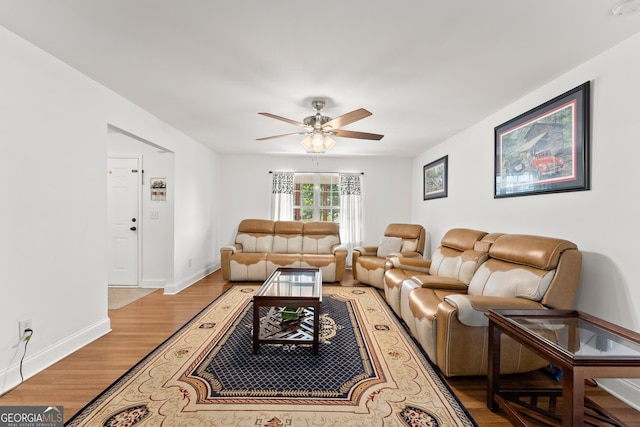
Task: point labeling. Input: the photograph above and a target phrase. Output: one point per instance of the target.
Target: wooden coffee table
(292, 288)
(581, 345)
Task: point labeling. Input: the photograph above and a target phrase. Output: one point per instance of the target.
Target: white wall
(603, 222)
(53, 157)
(247, 188)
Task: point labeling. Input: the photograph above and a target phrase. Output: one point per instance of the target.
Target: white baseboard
(41, 360)
(155, 284)
(172, 289)
(624, 389)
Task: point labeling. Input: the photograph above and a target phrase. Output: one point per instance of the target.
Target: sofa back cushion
(535, 251)
(498, 278)
(255, 235)
(456, 257)
(287, 237)
(462, 239)
(519, 266)
(320, 237)
(412, 235)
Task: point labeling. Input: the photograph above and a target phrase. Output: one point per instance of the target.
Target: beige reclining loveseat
(446, 315)
(262, 245)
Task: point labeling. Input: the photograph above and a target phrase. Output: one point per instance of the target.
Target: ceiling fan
(320, 128)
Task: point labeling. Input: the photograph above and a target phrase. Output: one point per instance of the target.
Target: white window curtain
(350, 212)
(282, 196)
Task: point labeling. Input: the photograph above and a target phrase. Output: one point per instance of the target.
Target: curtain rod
(361, 173)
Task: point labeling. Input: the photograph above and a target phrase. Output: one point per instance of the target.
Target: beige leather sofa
(261, 246)
(368, 262)
(445, 307)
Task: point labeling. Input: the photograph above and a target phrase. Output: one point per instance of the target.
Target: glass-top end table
(581, 345)
(287, 290)
(579, 337)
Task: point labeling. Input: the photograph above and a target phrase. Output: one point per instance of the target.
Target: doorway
(123, 202)
(155, 213)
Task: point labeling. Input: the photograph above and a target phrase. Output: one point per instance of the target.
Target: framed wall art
(435, 178)
(546, 149)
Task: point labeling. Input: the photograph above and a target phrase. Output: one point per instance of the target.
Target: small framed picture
(546, 149)
(435, 175)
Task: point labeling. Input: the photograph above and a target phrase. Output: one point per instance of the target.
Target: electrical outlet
(24, 325)
(189, 262)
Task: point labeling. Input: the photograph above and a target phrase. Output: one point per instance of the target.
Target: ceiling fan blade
(280, 136)
(357, 135)
(347, 118)
(284, 119)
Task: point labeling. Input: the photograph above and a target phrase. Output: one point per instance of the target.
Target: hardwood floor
(142, 325)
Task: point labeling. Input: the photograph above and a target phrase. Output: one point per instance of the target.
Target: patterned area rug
(369, 372)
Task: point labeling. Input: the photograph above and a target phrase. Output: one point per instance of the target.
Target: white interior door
(123, 180)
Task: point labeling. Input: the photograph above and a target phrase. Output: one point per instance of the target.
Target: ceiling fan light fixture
(329, 142)
(319, 129)
(317, 143)
(306, 143)
(317, 140)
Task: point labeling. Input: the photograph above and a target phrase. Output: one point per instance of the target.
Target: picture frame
(435, 178)
(546, 149)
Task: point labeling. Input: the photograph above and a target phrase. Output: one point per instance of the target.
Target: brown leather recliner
(399, 240)
(451, 266)
(522, 272)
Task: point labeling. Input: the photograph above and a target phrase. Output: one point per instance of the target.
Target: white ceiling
(426, 69)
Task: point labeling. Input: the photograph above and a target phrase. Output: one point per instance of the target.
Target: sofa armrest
(409, 254)
(472, 308)
(225, 259)
(231, 248)
(366, 250)
(339, 248)
(419, 265)
(439, 282)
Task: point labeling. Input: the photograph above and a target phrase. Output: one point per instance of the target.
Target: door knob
(133, 220)
(132, 229)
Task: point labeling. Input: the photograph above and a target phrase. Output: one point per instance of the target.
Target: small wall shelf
(158, 189)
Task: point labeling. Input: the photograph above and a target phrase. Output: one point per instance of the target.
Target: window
(316, 197)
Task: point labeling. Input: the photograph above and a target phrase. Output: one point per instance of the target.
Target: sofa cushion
(389, 245)
(255, 235)
(461, 239)
(256, 226)
(287, 237)
(451, 263)
(255, 242)
(503, 279)
(248, 266)
(535, 251)
(320, 237)
(410, 235)
(409, 245)
(276, 260)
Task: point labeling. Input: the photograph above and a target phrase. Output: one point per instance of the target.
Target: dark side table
(583, 346)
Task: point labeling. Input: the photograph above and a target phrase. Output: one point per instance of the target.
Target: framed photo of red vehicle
(546, 149)
(435, 176)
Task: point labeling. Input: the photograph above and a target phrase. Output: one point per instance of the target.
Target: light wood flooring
(142, 325)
